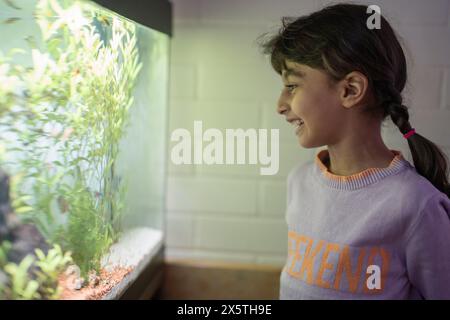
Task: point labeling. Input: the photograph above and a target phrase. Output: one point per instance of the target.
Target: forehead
(293, 69)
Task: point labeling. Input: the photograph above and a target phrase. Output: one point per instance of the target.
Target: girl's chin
(306, 142)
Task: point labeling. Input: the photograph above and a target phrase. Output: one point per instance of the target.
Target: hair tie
(409, 133)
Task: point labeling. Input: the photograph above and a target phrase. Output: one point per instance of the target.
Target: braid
(400, 116)
(390, 99)
(428, 159)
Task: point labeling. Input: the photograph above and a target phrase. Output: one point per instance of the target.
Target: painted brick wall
(231, 213)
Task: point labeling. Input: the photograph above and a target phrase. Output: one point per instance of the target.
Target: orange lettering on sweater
(345, 264)
(296, 257)
(325, 265)
(292, 249)
(308, 260)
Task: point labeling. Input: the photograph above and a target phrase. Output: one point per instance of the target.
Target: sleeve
(428, 249)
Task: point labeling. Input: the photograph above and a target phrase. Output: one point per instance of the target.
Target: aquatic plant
(22, 287)
(36, 278)
(62, 120)
(5, 246)
(49, 268)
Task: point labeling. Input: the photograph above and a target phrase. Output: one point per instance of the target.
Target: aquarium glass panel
(83, 108)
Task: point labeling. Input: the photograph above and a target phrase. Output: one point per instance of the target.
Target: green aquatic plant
(65, 117)
(87, 231)
(36, 278)
(22, 286)
(5, 246)
(49, 268)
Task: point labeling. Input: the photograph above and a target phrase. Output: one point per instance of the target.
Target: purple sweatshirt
(383, 233)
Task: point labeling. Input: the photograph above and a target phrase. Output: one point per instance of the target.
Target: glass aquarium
(83, 108)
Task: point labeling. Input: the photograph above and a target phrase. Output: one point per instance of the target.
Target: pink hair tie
(409, 133)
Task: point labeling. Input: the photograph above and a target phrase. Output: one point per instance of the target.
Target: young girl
(363, 222)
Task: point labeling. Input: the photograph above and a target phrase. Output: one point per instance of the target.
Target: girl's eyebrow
(292, 72)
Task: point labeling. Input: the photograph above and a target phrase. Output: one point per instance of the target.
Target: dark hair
(337, 40)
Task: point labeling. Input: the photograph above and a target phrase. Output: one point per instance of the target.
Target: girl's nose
(282, 107)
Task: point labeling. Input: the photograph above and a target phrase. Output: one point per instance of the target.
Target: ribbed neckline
(361, 179)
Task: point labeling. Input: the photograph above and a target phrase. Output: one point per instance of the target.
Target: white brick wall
(218, 76)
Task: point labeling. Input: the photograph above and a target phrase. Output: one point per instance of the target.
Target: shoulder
(415, 187)
(416, 196)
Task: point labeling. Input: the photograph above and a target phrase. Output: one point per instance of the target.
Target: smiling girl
(363, 222)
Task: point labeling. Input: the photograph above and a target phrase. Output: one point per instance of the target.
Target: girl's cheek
(301, 104)
(297, 106)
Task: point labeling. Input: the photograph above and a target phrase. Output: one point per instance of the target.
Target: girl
(363, 222)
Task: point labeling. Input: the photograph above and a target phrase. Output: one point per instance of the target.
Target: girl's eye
(291, 87)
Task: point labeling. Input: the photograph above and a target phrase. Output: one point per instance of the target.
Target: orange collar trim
(362, 178)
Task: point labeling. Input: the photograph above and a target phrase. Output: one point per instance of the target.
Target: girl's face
(309, 98)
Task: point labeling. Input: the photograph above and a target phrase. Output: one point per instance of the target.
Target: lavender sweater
(383, 233)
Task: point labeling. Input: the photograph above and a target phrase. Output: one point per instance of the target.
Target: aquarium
(83, 106)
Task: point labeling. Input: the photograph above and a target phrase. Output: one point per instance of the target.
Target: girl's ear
(354, 88)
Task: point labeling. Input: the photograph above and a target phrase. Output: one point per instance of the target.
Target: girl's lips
(297, 123)
(298, 128)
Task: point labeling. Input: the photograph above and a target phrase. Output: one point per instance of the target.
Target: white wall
(232, 213)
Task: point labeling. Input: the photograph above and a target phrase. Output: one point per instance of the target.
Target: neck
(355, 153)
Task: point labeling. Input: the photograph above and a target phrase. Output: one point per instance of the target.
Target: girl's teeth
(297, 124)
